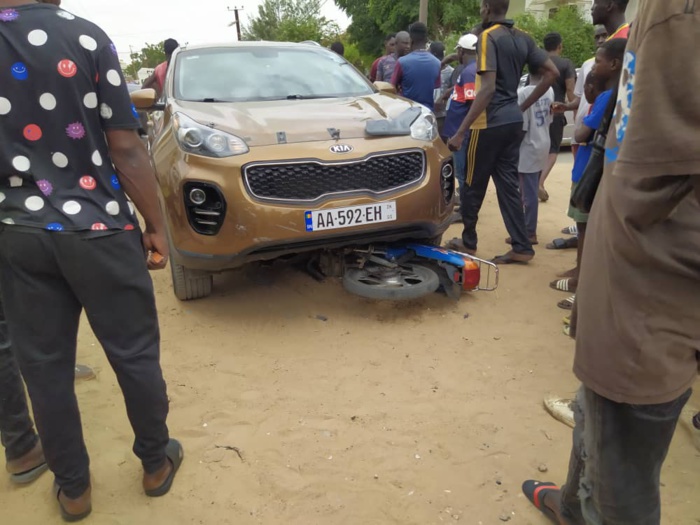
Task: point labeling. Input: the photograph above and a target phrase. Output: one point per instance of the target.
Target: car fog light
(198, 196)
(447, 171)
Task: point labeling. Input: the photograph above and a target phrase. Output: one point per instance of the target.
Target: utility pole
(237, 22)
(423, 13)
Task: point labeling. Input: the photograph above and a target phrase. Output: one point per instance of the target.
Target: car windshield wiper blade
(304, 97)
(210, 99)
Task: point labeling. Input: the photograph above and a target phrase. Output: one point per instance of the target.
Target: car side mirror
(385, 87)
(146, 100)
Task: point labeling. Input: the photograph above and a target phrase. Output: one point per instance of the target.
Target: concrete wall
(542, 7)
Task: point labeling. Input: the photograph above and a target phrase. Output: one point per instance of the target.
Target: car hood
(283, 121)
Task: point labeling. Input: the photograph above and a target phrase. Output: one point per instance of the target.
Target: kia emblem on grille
(341, 148)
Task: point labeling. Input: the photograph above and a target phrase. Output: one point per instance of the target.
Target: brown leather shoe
(29, 467)
(77, 509)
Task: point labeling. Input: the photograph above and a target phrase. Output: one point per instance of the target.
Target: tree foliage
(373, 19)
(291, 21)
(149, 57)
(578, 34)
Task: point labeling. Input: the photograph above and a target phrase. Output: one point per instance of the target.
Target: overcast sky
(135, 22)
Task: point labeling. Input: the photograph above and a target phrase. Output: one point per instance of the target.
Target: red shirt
(622, 32)
(161, 70)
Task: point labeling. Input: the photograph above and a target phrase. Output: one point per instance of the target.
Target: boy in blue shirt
(598, 90)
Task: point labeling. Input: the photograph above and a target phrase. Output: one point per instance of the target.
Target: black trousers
(47, 278)
(494, 152)
(16, 428)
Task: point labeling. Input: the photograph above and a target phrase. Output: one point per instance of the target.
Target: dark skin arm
(574, 101)
(550, 73)
(481, 102)
(136, 176)
(583, 134)
(151, 83)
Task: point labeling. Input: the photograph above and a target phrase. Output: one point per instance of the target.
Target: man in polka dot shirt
(70, 239)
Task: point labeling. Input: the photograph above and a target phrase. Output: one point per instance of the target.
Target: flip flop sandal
(29, 476)
(568, 303)
(70, 518)
(542, 195)
(567, 320)
(458, 246)
(562, 285)
(175, 453)
(535, 491)
(570, 230)
(561, 410)
(512, 258)
(567, 330)
(563, 244)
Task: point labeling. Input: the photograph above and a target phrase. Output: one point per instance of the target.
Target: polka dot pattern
(47, 101)
(65, 77)
(38, 37)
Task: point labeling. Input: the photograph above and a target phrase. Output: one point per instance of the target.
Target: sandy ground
(421, 413)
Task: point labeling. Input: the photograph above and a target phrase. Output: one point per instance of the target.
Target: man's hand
(156, 245)
(559, 108)
(440, 106)
(455, 143)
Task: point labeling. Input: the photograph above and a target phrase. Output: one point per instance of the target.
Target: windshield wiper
(303, 97)
(210, 100)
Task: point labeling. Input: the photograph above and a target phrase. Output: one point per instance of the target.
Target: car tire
(420, 281)
(190, 284)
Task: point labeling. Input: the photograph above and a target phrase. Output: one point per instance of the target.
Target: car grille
(311, 180)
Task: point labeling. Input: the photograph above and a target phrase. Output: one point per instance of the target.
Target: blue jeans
(616, 459)
(529, 184)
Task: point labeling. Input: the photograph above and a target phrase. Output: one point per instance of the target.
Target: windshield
(265, 73)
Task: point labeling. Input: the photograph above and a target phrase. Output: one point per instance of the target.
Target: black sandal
(535, 491)
(563, 244)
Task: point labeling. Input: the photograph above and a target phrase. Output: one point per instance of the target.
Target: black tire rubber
(189, 285)
(429, 284)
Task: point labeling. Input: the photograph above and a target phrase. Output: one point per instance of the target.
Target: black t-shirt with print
(61, 88)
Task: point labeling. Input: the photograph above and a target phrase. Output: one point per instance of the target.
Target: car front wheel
(190, 284)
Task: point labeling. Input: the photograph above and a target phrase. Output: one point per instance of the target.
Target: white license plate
(336, 218)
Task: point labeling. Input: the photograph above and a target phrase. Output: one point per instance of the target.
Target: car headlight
(425, 126)
(202, 140)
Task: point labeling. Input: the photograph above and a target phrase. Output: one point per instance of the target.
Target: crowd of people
(636, 279)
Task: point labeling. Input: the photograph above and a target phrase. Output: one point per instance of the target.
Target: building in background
(548, 7)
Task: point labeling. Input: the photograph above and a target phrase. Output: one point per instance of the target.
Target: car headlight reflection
(425, 127)
(209, 142)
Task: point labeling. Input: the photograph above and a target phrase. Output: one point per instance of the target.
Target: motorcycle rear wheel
(394, 284)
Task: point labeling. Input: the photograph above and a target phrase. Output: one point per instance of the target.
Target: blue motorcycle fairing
(433, 253)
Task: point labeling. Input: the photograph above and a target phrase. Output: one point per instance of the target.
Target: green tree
(291, 21)
(579, 44)
(373, 19)
(149, 57)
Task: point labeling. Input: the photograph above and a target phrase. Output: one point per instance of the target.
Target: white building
(546, 7)
(144, 73)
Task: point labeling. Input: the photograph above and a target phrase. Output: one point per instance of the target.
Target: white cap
(468, 42)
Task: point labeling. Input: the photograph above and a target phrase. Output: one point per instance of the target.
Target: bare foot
(569, 273)
(552, 500)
